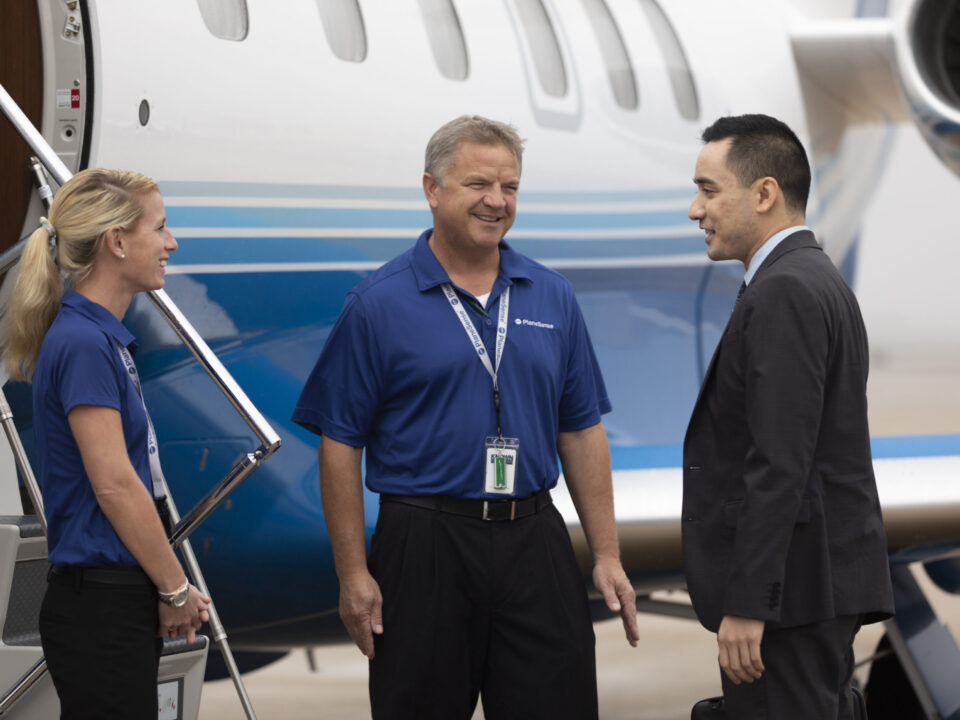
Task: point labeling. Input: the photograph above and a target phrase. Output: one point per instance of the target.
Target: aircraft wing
(917, 480)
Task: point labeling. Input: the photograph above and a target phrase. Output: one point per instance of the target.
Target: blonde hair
(87, 205)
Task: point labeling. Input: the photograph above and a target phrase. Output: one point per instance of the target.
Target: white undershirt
(482, 299)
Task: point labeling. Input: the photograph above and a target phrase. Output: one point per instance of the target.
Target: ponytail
(33, 305)
(87, 205)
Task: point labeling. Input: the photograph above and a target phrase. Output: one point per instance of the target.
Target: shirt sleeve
(86, 373)
(342, 394)
(584, 397)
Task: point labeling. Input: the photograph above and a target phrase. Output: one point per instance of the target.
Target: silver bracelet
(182, 588)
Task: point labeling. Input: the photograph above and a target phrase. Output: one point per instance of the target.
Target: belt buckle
(486, 510)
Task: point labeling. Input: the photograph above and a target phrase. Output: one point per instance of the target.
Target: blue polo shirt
(399, 376)
(79, 365)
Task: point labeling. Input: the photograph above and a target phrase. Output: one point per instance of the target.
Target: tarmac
(675, 664)
(673, 667)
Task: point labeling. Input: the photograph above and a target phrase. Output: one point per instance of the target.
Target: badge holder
(501, 465)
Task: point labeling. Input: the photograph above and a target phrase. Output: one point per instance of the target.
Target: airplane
(287, 139)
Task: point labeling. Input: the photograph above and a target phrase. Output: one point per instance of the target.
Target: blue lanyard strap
(477, 342)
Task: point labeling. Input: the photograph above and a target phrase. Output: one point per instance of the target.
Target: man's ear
(430, 188)
(767, 191)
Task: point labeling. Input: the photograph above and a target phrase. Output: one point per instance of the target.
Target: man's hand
(361, 609)
(610, 579)
(739, 641)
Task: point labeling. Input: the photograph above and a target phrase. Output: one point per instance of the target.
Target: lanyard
(156, 472)
(477, 342)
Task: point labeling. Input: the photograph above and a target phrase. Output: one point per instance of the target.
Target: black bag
(712, 708)
(709, 709)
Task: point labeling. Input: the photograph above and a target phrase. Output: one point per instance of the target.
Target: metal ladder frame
(183, 527)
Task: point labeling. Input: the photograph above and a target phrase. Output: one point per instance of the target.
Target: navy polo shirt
(399, 376)
(79, 364)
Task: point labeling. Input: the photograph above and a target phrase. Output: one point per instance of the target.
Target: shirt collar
(99, 315)
(764, 250)
(430, 273)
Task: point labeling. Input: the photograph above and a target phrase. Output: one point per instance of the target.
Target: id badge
(501, 465)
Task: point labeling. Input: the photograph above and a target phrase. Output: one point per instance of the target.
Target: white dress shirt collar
(764, 250)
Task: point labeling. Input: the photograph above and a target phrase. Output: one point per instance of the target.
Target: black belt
(132, 575)
(482, 509)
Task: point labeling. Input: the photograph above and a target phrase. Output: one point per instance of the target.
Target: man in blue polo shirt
(464, 369)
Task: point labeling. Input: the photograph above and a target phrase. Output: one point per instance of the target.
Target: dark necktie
(743, 286)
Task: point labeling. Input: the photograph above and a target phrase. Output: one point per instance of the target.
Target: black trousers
(807, 675)
(101, 646)
(476, 608)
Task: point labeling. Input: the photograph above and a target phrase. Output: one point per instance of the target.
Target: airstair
(26, 690)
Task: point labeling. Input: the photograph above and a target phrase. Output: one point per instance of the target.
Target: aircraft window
(619, 69)
(544, 46)
(343, 25)
(446, 37)
(226, 19)
(684, 91)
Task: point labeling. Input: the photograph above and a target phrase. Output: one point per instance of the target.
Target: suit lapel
(800, 239)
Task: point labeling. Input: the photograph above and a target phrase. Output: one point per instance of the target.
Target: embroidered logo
(533, 323)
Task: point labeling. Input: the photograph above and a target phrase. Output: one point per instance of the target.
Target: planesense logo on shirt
(533, 323)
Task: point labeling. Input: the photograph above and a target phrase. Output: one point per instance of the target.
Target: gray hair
(443, 146)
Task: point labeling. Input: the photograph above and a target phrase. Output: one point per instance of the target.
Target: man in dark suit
(784, 549)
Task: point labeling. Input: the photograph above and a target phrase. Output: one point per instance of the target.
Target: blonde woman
(115, 587)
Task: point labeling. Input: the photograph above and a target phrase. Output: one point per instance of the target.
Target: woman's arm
(131, 511)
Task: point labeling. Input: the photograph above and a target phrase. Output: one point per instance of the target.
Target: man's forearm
(341, 491)
(585, 455)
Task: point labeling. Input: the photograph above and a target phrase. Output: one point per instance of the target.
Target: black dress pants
(101, 646)
(477, 608)
(806, 677)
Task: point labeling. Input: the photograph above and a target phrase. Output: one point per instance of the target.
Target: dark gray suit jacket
(781, 520)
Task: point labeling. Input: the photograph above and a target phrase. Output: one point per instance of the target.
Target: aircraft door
(714, 303)
(643, 325)
(45, 71)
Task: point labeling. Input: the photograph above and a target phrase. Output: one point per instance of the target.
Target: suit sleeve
(786, 346)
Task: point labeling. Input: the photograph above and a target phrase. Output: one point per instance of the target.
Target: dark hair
(765, 147)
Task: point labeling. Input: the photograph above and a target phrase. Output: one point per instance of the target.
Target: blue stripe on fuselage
(300, 217)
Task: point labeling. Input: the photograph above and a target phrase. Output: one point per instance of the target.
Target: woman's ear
(114, 241)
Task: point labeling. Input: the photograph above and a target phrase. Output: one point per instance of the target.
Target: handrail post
(219, 633)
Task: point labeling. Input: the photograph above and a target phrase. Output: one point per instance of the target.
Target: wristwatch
(177, 598)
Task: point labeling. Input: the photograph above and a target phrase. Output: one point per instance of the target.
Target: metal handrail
(23, 685)
(35, 140)
(265, 433)
(20, 456)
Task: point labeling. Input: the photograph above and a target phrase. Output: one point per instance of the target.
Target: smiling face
(147, 247)
(725, 209)
(476, 202)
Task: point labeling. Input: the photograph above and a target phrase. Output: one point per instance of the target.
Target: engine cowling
(927, 38)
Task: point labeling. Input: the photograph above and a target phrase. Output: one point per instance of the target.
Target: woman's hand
(186, 620)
